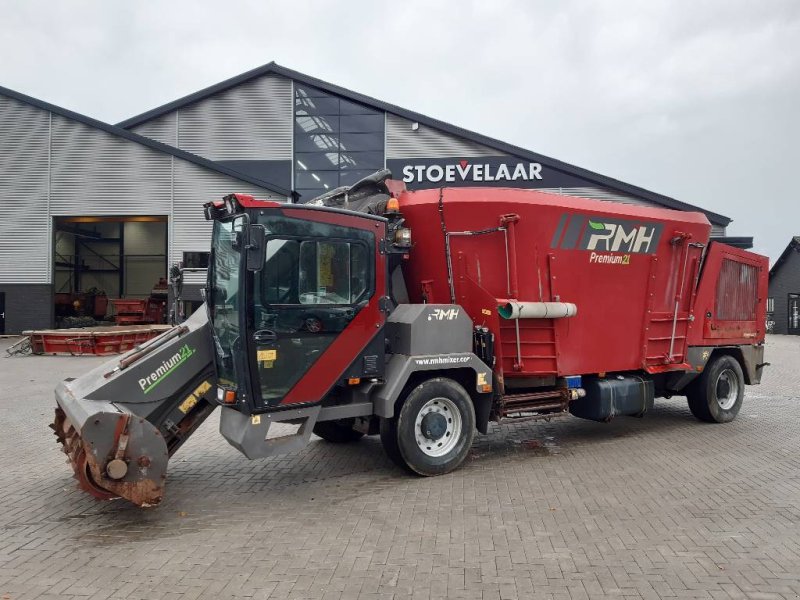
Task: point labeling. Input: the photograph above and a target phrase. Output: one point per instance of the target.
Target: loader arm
(120, 423)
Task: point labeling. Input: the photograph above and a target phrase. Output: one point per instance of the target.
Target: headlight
(402, 237)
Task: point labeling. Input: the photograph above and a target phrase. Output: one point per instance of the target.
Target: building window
(336, 142)
(196, 260)
(770, 305)
(794, 313)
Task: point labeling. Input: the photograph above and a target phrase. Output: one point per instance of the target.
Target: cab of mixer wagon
(297, 298)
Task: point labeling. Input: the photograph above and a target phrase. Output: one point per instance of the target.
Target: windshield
(224, 297)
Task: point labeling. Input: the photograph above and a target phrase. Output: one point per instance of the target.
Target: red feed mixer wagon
(629, 289)
(421, 317)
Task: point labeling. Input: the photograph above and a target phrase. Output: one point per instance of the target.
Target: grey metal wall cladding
(52, 166)
(596, 193)
(195, 186)
(28, 306)
(785, 280)
(24, 222)
(426, 142)
(96, 173)
(251, 121)
(163, 129)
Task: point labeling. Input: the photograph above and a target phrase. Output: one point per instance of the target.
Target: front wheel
(716, 396)
(433, 432)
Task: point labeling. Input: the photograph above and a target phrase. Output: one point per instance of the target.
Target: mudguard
(401, 367)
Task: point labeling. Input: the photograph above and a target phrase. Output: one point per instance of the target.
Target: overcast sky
(697, 100)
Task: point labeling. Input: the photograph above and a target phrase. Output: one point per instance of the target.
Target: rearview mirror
(254, 247)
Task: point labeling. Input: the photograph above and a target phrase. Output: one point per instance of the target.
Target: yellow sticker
(482, 379)
(188, 404)
(486, 311)
(202, 388)
(267, 355)
(325, 268)
(267, 364)
(255, 419)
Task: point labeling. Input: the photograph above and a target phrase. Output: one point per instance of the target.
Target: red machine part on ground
(634, 273)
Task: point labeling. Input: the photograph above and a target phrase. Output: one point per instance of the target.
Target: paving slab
(658, 507)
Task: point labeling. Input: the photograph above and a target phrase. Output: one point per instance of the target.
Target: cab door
(317, 305)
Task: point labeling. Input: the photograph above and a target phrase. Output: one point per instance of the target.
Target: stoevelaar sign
(495, 171)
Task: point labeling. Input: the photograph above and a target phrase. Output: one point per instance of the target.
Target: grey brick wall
(28, 306)
(784, 281)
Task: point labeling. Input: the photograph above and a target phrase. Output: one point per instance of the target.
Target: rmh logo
(443, 314)
(614, 237)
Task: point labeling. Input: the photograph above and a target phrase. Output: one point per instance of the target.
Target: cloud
(693, 100)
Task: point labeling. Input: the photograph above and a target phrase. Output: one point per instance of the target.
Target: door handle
(263, 336)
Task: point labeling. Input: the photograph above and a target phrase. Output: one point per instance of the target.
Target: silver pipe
(537, 310)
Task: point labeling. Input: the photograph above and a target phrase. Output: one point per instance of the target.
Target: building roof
(743, 242)
(273, 68)
(794, 245)
(135, 137)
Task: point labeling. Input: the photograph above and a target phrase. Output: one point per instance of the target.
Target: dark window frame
(369, 288)
(351, 132)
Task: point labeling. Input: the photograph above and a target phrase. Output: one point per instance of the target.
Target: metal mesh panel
(737, 291)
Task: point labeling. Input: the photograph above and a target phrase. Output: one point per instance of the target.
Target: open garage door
(98, 260)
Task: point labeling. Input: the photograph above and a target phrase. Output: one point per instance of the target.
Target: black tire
(337, 432)
(452, 420)
(716, 395)
(389, 441)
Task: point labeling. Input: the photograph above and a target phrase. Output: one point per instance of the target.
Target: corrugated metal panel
(427, 142)
(24, 222)
(87, 171)
(737, 292)
(162, 129)
(195, 186)
(96, 173)
(252, 121)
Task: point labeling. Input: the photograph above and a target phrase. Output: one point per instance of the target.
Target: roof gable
(136, 138)
(273, 68)
(794, 244)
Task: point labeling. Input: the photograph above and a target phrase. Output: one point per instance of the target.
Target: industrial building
(783, 303)
(89, 207)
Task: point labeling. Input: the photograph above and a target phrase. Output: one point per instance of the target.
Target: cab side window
(332, 272)
(280, 286)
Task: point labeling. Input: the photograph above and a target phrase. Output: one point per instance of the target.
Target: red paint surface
(625, 312)
(248, 201)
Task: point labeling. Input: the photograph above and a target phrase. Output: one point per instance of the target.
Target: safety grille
(737, 291)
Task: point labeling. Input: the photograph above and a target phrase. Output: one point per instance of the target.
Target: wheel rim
(727, 389)
(435, 410)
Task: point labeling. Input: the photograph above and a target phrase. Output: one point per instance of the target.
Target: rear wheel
(716, 396)
(433, 432)
(338, 432)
